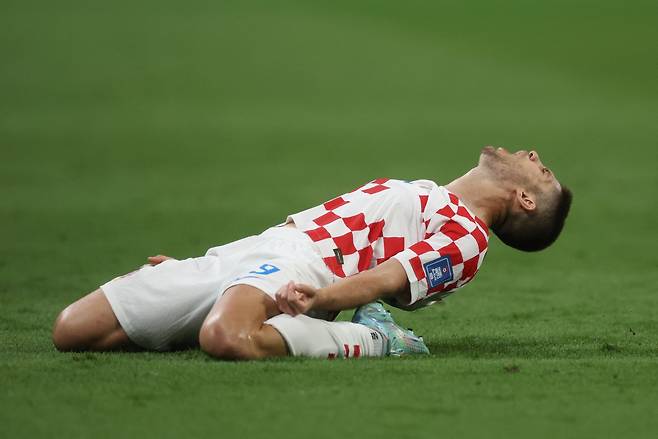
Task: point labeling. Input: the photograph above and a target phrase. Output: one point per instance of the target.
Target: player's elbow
(391, 279)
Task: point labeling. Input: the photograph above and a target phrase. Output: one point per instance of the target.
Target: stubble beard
(501, 169)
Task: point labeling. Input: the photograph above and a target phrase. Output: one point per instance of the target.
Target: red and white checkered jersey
(439, 242)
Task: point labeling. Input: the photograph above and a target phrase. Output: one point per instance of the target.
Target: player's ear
(525, 200)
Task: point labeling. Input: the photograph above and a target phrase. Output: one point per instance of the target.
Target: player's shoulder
(447, 209)
(429, 192)
(406, 192)
(401, 190)
(415, 186)
(411, 192)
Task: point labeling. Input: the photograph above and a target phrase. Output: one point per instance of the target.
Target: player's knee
(224, 343)
(66, 335)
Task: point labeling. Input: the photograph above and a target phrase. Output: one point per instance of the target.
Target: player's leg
(90, 324)
(235, 330)
(245, 324)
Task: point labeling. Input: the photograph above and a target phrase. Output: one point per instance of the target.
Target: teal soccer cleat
(400, 341)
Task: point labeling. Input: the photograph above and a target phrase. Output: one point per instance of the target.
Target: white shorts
(162, 307)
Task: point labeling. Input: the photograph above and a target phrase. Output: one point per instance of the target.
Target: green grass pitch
(133, 128)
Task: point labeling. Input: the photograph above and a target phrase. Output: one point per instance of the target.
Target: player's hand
(294, 299)
(158, 259)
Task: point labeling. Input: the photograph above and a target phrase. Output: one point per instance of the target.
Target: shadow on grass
(529, 347)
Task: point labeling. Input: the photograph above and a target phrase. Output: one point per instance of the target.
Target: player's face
(522, 168)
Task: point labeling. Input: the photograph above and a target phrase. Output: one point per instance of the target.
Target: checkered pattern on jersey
(358, 233)
(450, 230)
(415, 222)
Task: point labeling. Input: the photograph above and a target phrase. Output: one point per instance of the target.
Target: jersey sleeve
(439, 264)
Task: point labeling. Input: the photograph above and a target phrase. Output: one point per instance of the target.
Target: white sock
(308, 337)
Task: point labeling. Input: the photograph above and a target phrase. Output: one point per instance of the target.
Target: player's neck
(481, 195)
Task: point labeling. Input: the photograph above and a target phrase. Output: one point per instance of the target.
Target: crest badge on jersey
(438, 271)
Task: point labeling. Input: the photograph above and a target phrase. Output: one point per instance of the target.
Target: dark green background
(129, 128)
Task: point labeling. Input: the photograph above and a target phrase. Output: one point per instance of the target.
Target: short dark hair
(536, 230)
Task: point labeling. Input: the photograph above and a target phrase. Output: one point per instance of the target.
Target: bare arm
(387, 280)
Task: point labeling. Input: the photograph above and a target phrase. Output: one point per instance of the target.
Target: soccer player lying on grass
(276, 294)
